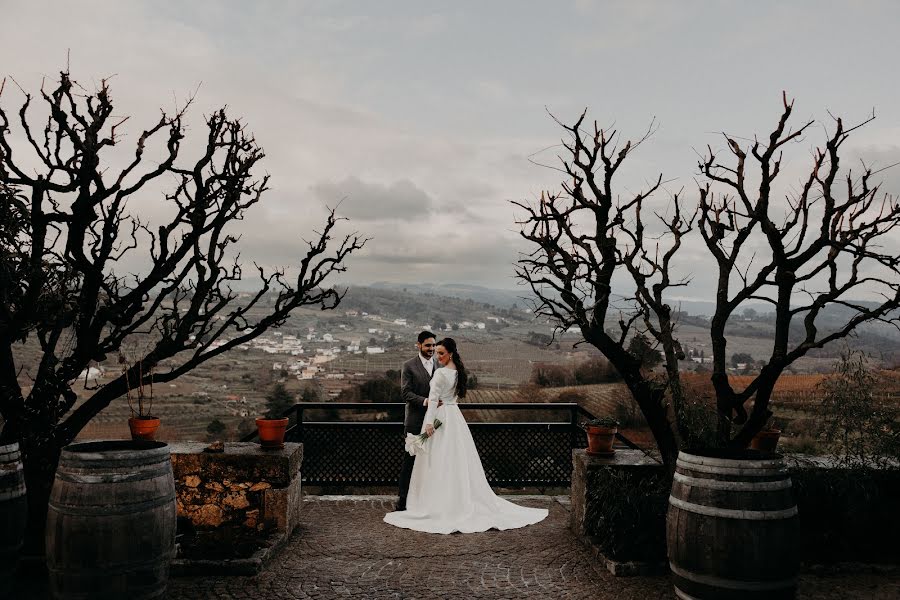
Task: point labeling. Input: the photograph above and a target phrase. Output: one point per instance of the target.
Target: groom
(415, 382)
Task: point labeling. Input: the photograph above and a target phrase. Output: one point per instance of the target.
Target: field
(232, 388)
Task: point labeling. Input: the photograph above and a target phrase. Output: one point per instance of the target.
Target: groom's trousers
(405, 475)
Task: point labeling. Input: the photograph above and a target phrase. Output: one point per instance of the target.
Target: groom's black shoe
(401, 504)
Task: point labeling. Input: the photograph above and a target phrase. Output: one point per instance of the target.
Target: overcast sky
(422, 115)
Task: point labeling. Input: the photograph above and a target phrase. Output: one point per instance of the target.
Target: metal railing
(369, 453)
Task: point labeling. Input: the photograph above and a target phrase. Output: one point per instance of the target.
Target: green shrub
(626, 512)
(570, 396)
(605, 421)
(215, 427)
(857, 428)
(801, 444)
(700, 420)
(629, 414)
(550, 375)
(595, 370)
(847, 514)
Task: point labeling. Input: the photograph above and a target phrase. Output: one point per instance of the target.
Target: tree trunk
(650, 398)
(40, 457)
(40, 445)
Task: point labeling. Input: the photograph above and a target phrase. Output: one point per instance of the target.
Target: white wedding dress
(448, 490)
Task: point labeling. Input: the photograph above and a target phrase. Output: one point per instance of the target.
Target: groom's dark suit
(415, 383)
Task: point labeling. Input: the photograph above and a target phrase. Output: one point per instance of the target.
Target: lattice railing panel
(525, 453)
(352, 453)
(513, 454)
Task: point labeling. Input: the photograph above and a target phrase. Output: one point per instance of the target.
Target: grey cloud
(451, 251)
(438, 134)
(472, 190)
(363, 201)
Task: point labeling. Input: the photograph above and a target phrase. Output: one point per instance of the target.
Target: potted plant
(271, 427)
(142, 423)
(767, 437)
(600, 433)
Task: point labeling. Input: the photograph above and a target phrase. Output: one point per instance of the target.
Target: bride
(448, 490)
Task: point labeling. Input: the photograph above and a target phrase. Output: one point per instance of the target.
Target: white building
(90, 373)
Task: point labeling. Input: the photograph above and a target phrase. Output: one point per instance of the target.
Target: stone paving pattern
(342, 549)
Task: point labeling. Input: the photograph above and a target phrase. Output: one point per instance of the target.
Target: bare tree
(66, 228)
(819, 248)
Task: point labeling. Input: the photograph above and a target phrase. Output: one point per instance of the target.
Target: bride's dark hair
(462, 376)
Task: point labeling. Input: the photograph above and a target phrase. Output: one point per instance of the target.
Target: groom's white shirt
(428, 363)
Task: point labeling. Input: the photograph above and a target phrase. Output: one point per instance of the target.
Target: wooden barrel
(731, 527)
(13, 513)
(111, 521)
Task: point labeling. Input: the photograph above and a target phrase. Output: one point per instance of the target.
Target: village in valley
(320, 355)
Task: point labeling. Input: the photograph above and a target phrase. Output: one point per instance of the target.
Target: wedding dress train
(449, 491)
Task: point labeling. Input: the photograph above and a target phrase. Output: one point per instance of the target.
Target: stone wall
(244, 488)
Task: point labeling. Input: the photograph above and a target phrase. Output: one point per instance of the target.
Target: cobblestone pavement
(342, 549)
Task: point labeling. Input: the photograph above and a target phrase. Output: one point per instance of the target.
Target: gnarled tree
(818, 247)
(65, 230)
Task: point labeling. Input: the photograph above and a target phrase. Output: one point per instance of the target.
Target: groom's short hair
(424, 335)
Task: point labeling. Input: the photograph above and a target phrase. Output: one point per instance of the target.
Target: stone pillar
(585, 469)
(583, 464)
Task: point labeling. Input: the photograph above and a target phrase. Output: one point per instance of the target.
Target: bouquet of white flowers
(415, 444)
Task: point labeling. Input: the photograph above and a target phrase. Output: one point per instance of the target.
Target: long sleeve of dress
(438, 387)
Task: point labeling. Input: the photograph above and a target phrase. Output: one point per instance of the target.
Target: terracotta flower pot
(271, 432)
(143, 428)
(766, 440)
(600, 440)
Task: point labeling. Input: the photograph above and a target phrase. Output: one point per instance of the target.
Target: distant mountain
(432, 304)
(420, 306)
(496, 297)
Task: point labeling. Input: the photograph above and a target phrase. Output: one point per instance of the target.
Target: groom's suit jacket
(415, 383)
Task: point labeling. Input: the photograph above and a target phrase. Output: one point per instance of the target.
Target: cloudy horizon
(423, 121)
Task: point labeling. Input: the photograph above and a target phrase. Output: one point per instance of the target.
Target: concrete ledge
(617, 568)
(252, 565)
